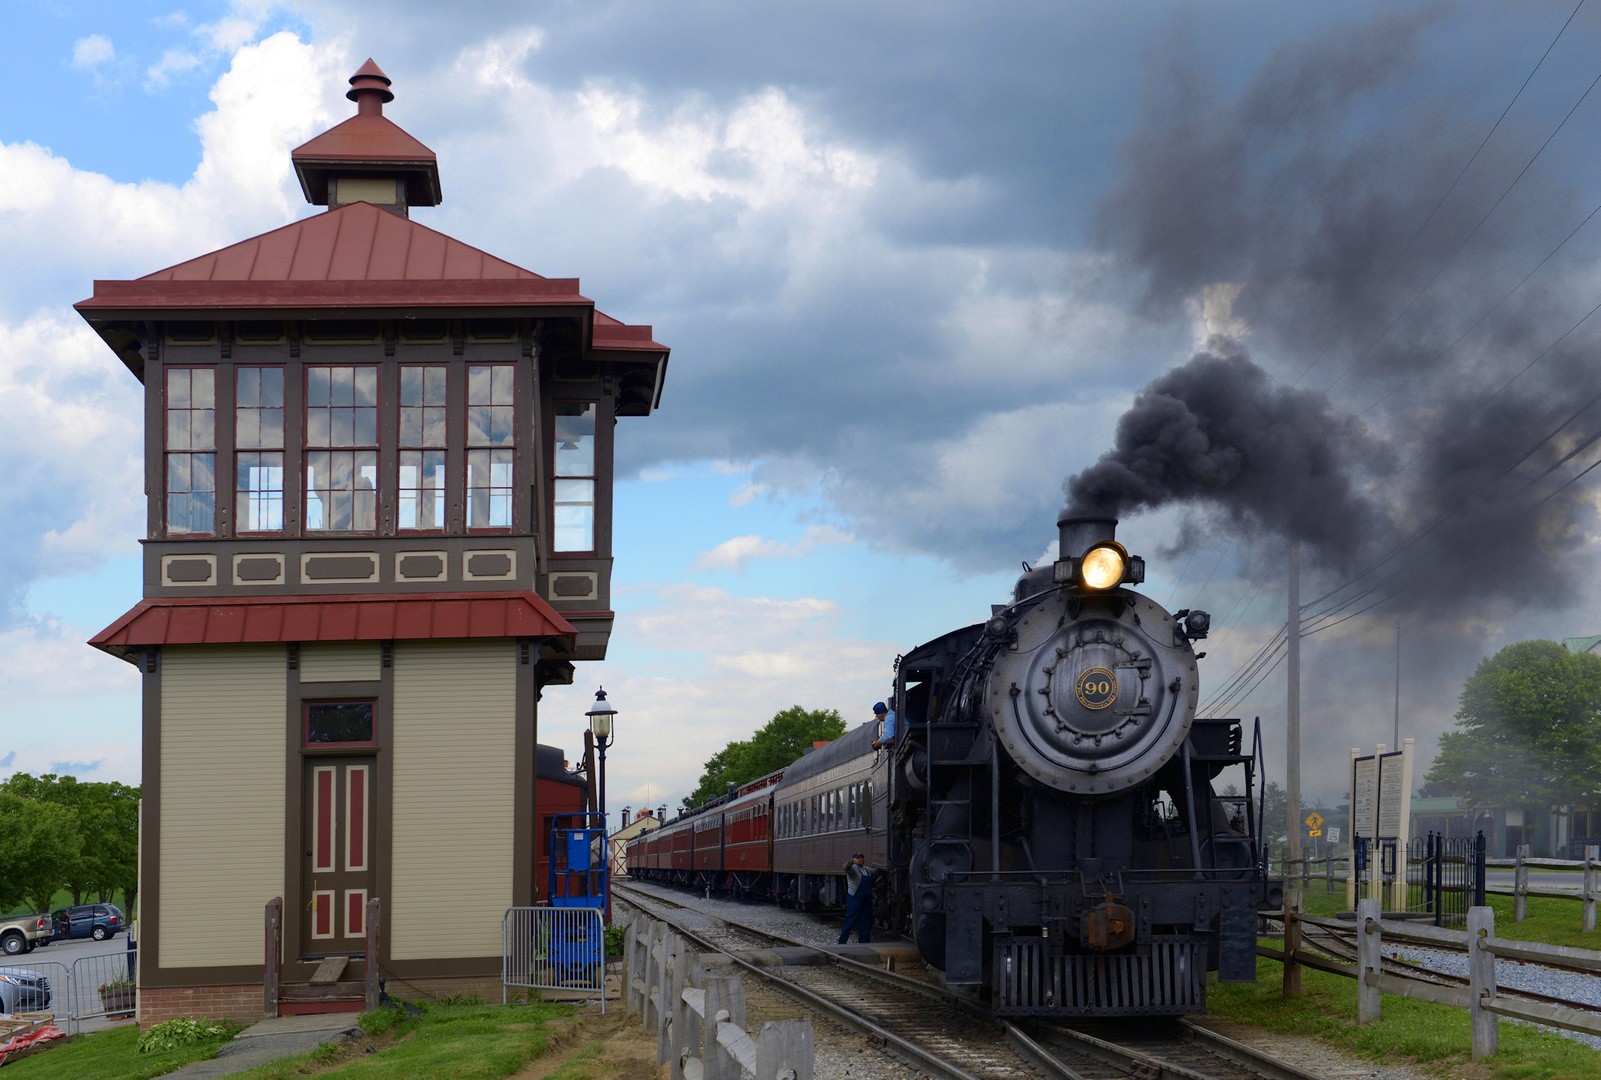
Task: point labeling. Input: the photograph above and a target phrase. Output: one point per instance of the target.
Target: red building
(379, 469)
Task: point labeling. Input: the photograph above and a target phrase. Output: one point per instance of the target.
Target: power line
(1465, 240)
(1482, 144)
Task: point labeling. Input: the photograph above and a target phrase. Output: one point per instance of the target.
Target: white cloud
(746, 493)
(172, 62)
(90, 52)
(734, 554)
(657, 476)
(707, 667)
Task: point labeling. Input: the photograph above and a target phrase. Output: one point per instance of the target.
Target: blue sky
(914, 261)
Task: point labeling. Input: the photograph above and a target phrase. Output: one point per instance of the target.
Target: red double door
(337, 877)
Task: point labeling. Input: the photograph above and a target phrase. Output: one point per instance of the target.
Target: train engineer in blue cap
(886, 719)
(859, 899)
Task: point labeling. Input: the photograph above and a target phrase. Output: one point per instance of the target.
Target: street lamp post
(600, 726)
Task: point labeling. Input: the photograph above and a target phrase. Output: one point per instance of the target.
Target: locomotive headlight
(1102, 567)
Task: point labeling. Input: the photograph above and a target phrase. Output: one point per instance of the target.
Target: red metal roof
(382, 617)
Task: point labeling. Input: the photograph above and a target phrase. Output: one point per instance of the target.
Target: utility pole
(1292, 780)
(1397, 683)
(1292, 712)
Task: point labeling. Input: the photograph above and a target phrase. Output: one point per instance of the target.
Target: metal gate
(550, 948)
(1445, 876)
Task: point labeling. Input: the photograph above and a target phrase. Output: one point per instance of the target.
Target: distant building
(643, 822)
(1582, 644)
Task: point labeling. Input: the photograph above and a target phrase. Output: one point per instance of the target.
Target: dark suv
(98, 921)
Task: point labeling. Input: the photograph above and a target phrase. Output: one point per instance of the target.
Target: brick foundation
(241, 1004)
(487, 987)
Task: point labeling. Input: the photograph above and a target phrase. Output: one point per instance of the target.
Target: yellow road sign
(1315, 832)
(1314, 821)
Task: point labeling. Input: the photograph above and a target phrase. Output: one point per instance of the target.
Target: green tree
(41, 843)
(780, 741)
(107, 817)
(1528, 730)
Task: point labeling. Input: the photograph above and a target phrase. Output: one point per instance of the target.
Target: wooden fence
(700, 1019)
(1521, 890)
(1480, 997)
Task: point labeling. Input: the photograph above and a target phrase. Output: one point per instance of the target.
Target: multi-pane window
(491, 442)
(259, 458)
(341, 449)
(574, 518)
(191, 450)
(422, 447)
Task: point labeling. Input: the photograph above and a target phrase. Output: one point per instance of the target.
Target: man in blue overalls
(859, 901)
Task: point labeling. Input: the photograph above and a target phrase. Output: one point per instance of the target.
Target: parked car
(21, 934)
(98, 921)
(22, 990)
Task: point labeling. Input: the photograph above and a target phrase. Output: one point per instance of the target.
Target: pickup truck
(21, 934)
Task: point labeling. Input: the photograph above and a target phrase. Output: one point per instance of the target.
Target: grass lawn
(1434, 1036)
(107, 1055)
(459, 1042)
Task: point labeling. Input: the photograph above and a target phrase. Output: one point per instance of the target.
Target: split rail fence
(1588, 893)
(1485, 1004)
(699, 1019)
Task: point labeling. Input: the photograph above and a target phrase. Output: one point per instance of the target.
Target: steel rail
(1248, 1056)
(895, 978)
(902, 1048)
(1140, 1062)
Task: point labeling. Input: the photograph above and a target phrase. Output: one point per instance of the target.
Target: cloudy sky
(915, 262)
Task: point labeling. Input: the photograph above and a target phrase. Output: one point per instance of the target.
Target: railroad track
(953, 1039)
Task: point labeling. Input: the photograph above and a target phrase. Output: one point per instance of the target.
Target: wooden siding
(222, 813)
(339, 661)
(455, 716)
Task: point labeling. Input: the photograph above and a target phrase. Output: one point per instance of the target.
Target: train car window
(867, 805)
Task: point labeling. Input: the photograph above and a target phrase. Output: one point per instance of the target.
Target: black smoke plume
(1218, 432)
(1316, 193)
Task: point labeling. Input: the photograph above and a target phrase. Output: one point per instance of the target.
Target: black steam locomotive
(1046, 823)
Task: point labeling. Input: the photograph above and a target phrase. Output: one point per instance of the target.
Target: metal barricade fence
(554, 948)
(101, 985)
(31, 998)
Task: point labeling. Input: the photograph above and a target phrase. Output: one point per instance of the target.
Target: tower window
(574, 494)
(191, 451)
(259, 458)
(341, 449)
(422, 447)
(491, 442)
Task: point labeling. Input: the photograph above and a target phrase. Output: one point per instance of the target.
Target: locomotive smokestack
(1076, 535)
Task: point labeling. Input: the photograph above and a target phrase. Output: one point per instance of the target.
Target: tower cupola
(368, 158)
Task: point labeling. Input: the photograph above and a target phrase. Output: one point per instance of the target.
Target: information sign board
(1364, 795)
(1391, 789)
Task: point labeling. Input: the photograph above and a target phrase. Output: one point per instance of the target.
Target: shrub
(183, 1031)
(614, 939)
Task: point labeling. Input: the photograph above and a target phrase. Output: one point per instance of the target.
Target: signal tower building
(379, 471)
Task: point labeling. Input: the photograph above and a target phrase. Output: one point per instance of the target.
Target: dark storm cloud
(1309, 191)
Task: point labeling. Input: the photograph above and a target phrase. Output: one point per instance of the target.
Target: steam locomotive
(1047, 823)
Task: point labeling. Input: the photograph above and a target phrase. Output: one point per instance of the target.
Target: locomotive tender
(1046, 824)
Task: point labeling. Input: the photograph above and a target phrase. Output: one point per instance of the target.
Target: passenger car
(22, 990)
(98, 921)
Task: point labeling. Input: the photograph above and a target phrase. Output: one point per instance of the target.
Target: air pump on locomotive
(1047, 824)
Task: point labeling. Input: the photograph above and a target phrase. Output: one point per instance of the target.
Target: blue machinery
(578, 879)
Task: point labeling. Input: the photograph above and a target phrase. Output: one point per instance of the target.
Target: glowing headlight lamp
(1104, 566)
